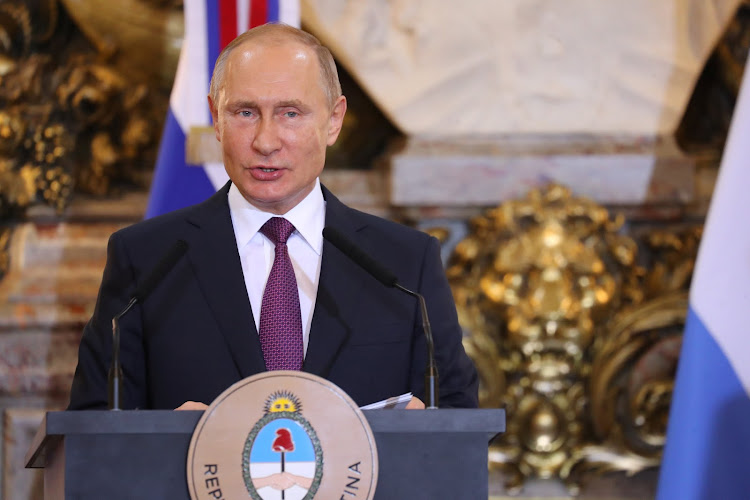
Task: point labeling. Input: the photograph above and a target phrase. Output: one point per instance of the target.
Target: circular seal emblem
(282, 435)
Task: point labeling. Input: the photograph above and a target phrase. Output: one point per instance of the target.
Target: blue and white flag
(209, 26)
(707, 452)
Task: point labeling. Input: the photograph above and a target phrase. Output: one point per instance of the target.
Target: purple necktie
(280, 317)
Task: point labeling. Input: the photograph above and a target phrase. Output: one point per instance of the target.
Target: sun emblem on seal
(282, 457)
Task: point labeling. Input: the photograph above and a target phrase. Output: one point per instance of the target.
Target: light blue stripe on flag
(708, 444)
(707, 453)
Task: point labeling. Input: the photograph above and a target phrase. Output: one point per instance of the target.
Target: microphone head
(359, 257)
(162, 268)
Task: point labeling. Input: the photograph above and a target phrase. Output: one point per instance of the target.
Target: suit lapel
(214, 257)
(337, 298)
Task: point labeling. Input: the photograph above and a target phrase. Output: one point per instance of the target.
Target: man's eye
(291, 114)
(246, 113)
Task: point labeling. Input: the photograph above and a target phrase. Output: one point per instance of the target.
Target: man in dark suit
(276, 105)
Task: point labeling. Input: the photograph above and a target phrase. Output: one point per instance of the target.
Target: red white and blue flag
(708, 437)
(209, 26)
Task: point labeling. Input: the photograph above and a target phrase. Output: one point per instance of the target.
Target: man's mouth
(266, 173)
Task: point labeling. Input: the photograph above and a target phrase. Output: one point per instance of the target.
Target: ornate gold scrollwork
(68, 118)
(571, 334)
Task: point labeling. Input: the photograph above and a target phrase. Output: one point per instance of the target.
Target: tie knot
(277, 229)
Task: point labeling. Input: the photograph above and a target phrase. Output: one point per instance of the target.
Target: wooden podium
(430, 454)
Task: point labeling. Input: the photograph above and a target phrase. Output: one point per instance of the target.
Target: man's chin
(269, 203)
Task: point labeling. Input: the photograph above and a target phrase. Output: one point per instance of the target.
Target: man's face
(274, 123)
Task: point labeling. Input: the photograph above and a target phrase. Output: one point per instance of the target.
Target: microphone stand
(431, 373)
(115, 369)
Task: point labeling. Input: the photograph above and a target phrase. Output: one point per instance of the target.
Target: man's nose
(266, 139)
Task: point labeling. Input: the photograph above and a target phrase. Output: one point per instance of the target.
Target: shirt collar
(308, 217)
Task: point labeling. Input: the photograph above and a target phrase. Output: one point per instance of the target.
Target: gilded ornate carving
(15, 31)
(68, 118)
(144, 49)
(571, 333)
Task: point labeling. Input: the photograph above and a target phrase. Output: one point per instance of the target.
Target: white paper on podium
(392, 403)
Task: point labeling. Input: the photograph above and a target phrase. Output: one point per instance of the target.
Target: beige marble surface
(486, 172)
(524, 66)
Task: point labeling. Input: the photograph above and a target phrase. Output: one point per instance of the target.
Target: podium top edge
(179, 422)
(58, 424)
(462, 420)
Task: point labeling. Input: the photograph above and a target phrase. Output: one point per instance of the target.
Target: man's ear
(215, 117)
(337, 120)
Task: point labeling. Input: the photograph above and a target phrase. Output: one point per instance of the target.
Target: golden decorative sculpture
(141, 38)
(574, 337)
(71, 116)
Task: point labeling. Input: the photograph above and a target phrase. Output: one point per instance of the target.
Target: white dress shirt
(305, 247)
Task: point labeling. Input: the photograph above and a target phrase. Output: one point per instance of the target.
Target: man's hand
(415, 404)
(195, 405)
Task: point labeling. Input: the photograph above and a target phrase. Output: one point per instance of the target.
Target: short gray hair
(280, 33)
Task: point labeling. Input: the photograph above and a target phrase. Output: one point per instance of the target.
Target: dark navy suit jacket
(194, 335)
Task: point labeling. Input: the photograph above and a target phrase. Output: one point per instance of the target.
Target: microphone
(143, 290)
(389, 279)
